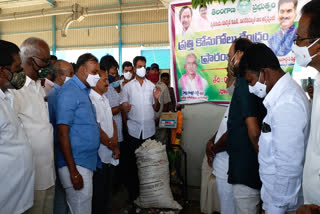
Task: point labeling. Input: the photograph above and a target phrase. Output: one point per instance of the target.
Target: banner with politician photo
(200, 40)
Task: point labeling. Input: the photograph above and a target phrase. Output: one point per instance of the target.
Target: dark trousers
(128, 162)
(102, 189)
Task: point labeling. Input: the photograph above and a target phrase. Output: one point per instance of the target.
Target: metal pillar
(120, 39)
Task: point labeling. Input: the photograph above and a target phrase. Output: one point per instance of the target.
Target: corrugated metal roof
(138, 28)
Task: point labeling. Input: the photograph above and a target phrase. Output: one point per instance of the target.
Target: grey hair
(30, 47)
(190, 54)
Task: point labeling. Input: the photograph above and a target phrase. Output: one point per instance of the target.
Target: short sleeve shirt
(52, 114)
(74, 108)
(243, 160)
(114, 100)
(164, 97)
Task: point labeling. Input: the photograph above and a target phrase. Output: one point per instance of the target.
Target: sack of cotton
(153, 170)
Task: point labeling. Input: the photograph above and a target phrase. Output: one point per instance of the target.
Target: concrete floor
(121, 205)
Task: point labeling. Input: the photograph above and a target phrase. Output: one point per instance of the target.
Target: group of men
(267, 145)
(60, 146)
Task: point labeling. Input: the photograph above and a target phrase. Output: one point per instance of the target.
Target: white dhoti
(209, 201)
(246, 199)
(226, 196)
(79, 201)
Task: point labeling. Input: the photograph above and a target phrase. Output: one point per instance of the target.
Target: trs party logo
(244, 7)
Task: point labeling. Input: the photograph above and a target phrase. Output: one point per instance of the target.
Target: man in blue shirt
(281, 41)
(62, 72)
(79, 135)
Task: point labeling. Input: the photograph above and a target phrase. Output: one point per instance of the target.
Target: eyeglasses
(301, 39)
(46, 61)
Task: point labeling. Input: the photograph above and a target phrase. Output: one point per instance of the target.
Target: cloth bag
(153, 171)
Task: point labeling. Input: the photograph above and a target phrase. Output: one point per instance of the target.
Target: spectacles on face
(297, 39)
(46, 61)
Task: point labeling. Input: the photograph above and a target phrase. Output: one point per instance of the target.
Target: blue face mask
(116, 84)
(111, 79)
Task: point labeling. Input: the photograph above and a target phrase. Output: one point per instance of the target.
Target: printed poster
(200, 40)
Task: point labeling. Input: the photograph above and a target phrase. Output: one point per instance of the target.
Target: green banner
(200, 40)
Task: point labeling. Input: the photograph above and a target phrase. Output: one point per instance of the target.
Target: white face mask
(141, 72)
(66, 79)
(259, 89)
(303, 57)
(127, 75)
(92, 80)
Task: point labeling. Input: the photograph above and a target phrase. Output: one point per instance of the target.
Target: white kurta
(141, 115)
(16, 162)
(311, 173)
(220, 163)
(282, 145)
(33, 112)
(105, 120)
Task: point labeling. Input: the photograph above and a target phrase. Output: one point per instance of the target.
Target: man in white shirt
(218, 158)
(139, 98)
(191, 80)
(307, 50)
(33, 112)
(16, 159)
(108, 150)
(284, 132)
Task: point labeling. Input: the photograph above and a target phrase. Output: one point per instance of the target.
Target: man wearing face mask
(62, 71)
(164, 99)
(139, 98)
(127, 71)
(281, 41)
(32, 111)
(307, 51)
(110, 65)
(165, 78)
(78, 135)
(245, 115)
(284, 133)
(218, 158)
(16, 158)
(108, 152)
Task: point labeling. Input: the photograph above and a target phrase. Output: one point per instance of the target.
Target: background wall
(200, 122)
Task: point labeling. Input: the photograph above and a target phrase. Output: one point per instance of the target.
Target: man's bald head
(35, 55)
(61, 69)
(34, 47)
